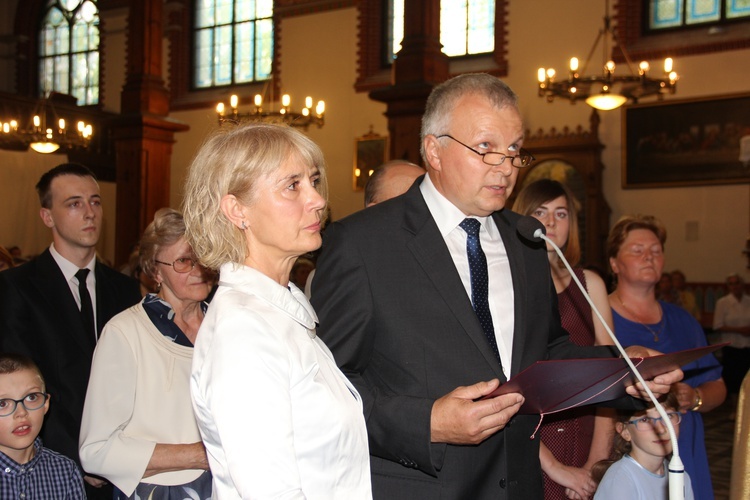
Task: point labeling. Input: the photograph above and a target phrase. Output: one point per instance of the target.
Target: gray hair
(232, 161)
(441, 102)
(166, 229)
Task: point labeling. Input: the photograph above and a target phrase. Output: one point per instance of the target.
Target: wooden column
(142, 133)
(419, 66)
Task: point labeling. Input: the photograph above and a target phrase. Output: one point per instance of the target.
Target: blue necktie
(479, 281)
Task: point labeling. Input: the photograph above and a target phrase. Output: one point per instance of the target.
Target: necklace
(659, 325)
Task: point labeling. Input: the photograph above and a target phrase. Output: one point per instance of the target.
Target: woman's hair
(534, 195)
(11, 363)
(166, 229)
(231, 161)
(439, 107)
(628, 223)
(620, 446)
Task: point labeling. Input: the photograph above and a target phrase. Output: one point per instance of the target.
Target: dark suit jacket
(394, 312)
(39, 318)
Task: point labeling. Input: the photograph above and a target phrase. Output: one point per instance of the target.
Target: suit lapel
(430, 251)
(50, 283)
(518, 274)
(104, 297)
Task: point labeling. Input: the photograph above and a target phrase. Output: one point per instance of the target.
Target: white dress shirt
(730, 313)
(277, 416)
(448, 217)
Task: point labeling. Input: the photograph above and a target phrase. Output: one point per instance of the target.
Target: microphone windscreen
(527, 226)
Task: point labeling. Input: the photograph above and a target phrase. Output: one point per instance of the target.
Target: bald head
(390, 180)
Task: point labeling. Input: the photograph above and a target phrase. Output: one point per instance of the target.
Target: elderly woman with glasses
(138, 427)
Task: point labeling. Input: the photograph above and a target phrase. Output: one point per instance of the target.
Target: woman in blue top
(635, 248)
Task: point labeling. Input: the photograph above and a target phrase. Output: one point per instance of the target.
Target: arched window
(69, 49)
(466, 27)
(233, 42)
(669, 14)
(653, 29)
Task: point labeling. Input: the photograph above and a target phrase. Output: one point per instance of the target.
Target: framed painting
(687, 143)
(370, 151)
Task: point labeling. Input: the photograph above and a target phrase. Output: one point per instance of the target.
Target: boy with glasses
(27, 469)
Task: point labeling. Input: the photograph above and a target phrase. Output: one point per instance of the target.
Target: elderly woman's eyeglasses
(32, 401)
(646, 423)
(181, 265)
(493, 158)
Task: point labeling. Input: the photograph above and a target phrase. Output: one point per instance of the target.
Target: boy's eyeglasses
(181, 265)
(647, 423)
(31, 402)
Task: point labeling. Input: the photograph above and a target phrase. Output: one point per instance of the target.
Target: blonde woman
(278, 418)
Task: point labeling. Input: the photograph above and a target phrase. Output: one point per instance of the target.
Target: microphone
(533, 230)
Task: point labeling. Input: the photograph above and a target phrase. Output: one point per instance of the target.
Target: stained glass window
(233, 42)
(685, 13)
(466, 27)
(69, 50)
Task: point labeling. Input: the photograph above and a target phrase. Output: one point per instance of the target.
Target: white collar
(291, 300)
(447, 216)
(69, 269)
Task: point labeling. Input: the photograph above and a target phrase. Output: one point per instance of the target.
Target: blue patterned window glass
(69, 50)
(702, 11)
(466, 27)
(687, 13)
(737, 8)
(233, 42)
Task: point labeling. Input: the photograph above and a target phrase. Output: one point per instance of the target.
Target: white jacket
(278, 418)
(138, 396)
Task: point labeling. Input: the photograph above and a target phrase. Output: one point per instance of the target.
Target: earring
(244, 227)
(158, 286)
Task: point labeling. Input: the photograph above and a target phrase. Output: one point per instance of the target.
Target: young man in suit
(52, 316)
(396, 293)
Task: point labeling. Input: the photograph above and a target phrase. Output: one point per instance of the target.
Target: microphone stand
(676, 468)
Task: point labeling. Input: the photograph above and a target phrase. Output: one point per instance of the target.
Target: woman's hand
(686, 396)
(174, 457)
(577, 482)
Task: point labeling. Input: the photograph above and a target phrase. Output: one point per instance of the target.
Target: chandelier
(45, 131)
(285, 114)
(607, 91)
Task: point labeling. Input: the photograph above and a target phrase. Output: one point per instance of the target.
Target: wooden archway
(582, 150)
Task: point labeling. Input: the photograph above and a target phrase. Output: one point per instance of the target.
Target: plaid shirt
(47, 476)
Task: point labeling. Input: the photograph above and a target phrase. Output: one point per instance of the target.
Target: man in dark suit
(41, 302)
(396, 293)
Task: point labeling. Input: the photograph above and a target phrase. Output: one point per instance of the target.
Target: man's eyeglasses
(647, 423)
(32, 401)
(181, 265)
(493, 158)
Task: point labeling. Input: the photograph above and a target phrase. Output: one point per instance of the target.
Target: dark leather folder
(552, 386)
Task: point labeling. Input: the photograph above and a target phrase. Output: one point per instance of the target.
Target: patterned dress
(568, 434)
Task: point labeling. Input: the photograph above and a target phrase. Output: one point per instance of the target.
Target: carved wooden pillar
(419, 66)
(143, 135)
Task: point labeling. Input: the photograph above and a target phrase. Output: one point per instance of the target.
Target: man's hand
(458, 419)
(660, 384)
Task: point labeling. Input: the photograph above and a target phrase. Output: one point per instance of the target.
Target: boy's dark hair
(45, 181)
(621, 447)
(11, 363)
